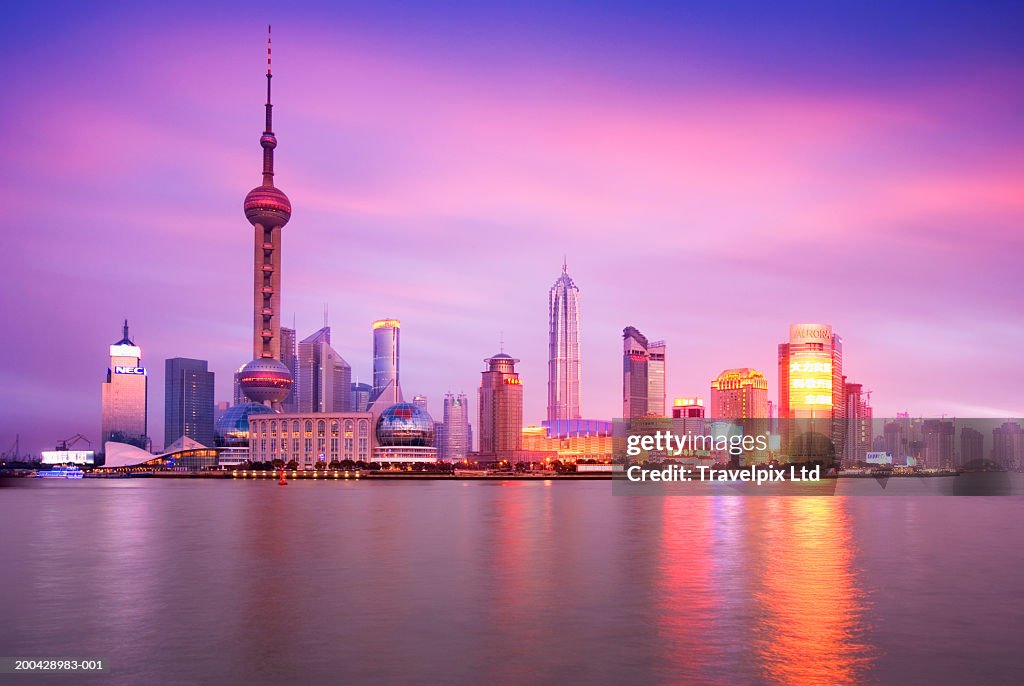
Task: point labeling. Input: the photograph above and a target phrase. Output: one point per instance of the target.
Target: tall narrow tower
(266, 379)
(564, 349)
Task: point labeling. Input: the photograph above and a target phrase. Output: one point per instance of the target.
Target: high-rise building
(811, 388)
(501, 407)
(938, 435)
(972, 447)
(635, 359)
(656, 379)
(265, 379)
(188, 401)
(124, 395)
(740, 393)
(420, 401)
(564, 365)
(386, 384)
(454, 442)
(289, 358)
(360, 396)
(324, 377)
(858, 423)
(1008, 445)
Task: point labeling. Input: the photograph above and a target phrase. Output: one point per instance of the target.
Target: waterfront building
(635, 360)
(454, 443)
(324, 380)
(972, 447)
(405, 434)
(188, 401)
(266, 379)
(308, 438)
(811, 396)
(183, 455)
(386, 382)
(501, 406)
(564, 362)
(571, 440)
(740, 393)
(232, 427)
(289, 358)
(858, 423)
(1008, 445)
(124, 395)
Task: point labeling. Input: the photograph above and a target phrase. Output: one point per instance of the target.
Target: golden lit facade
(811, 386)
(739, 394)
(570, 448)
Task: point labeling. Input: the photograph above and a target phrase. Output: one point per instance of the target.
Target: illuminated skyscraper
(501, 407)
(635, 359)
(289, 352)
(455, 433)
(324, 377)
(124, 395)
(266, 379)
(564, 349)
(385, 361)
(188, 401)
(739, 394)
(811, 385)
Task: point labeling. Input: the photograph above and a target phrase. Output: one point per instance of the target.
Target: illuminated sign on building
(514, 382)
(68, 456)
(140, 371)
(810, 333)
(878, 458)
(810, 381)
(386, 324)
(125, 351)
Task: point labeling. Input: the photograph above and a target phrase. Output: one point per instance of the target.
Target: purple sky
(712, 175)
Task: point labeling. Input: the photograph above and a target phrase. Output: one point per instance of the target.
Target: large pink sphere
(267, 206)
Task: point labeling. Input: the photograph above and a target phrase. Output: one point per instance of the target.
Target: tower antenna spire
(565, 265)
(268, 141)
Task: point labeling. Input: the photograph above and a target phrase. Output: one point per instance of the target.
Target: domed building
(232, 427)
(405, 434)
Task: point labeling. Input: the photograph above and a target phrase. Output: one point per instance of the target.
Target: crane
(68, 442)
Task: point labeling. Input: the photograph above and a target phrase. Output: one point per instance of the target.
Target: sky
(712, 172)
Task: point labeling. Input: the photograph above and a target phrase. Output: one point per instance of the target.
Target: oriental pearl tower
(266, 379)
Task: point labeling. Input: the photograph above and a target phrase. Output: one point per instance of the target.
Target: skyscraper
(188, 401)
(1008, 445)
(858, 423)
(385, 361)
(420, 401)
(937, 435)
(635, 359)
(564, 366)
(324, 377)
(289, 359)
(455, 433)
(360, 396)
(740, 393)
(501, 407)
(124, 395)
(972, 447)
(266, 379)
(656, 379)
(811, 386)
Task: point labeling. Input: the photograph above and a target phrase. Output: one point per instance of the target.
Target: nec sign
(141, 371)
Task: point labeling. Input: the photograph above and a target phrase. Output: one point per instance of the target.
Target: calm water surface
(224, 582)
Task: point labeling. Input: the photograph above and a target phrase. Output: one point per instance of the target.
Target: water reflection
(812, 613)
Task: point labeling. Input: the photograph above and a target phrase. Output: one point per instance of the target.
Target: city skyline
(383, 200)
